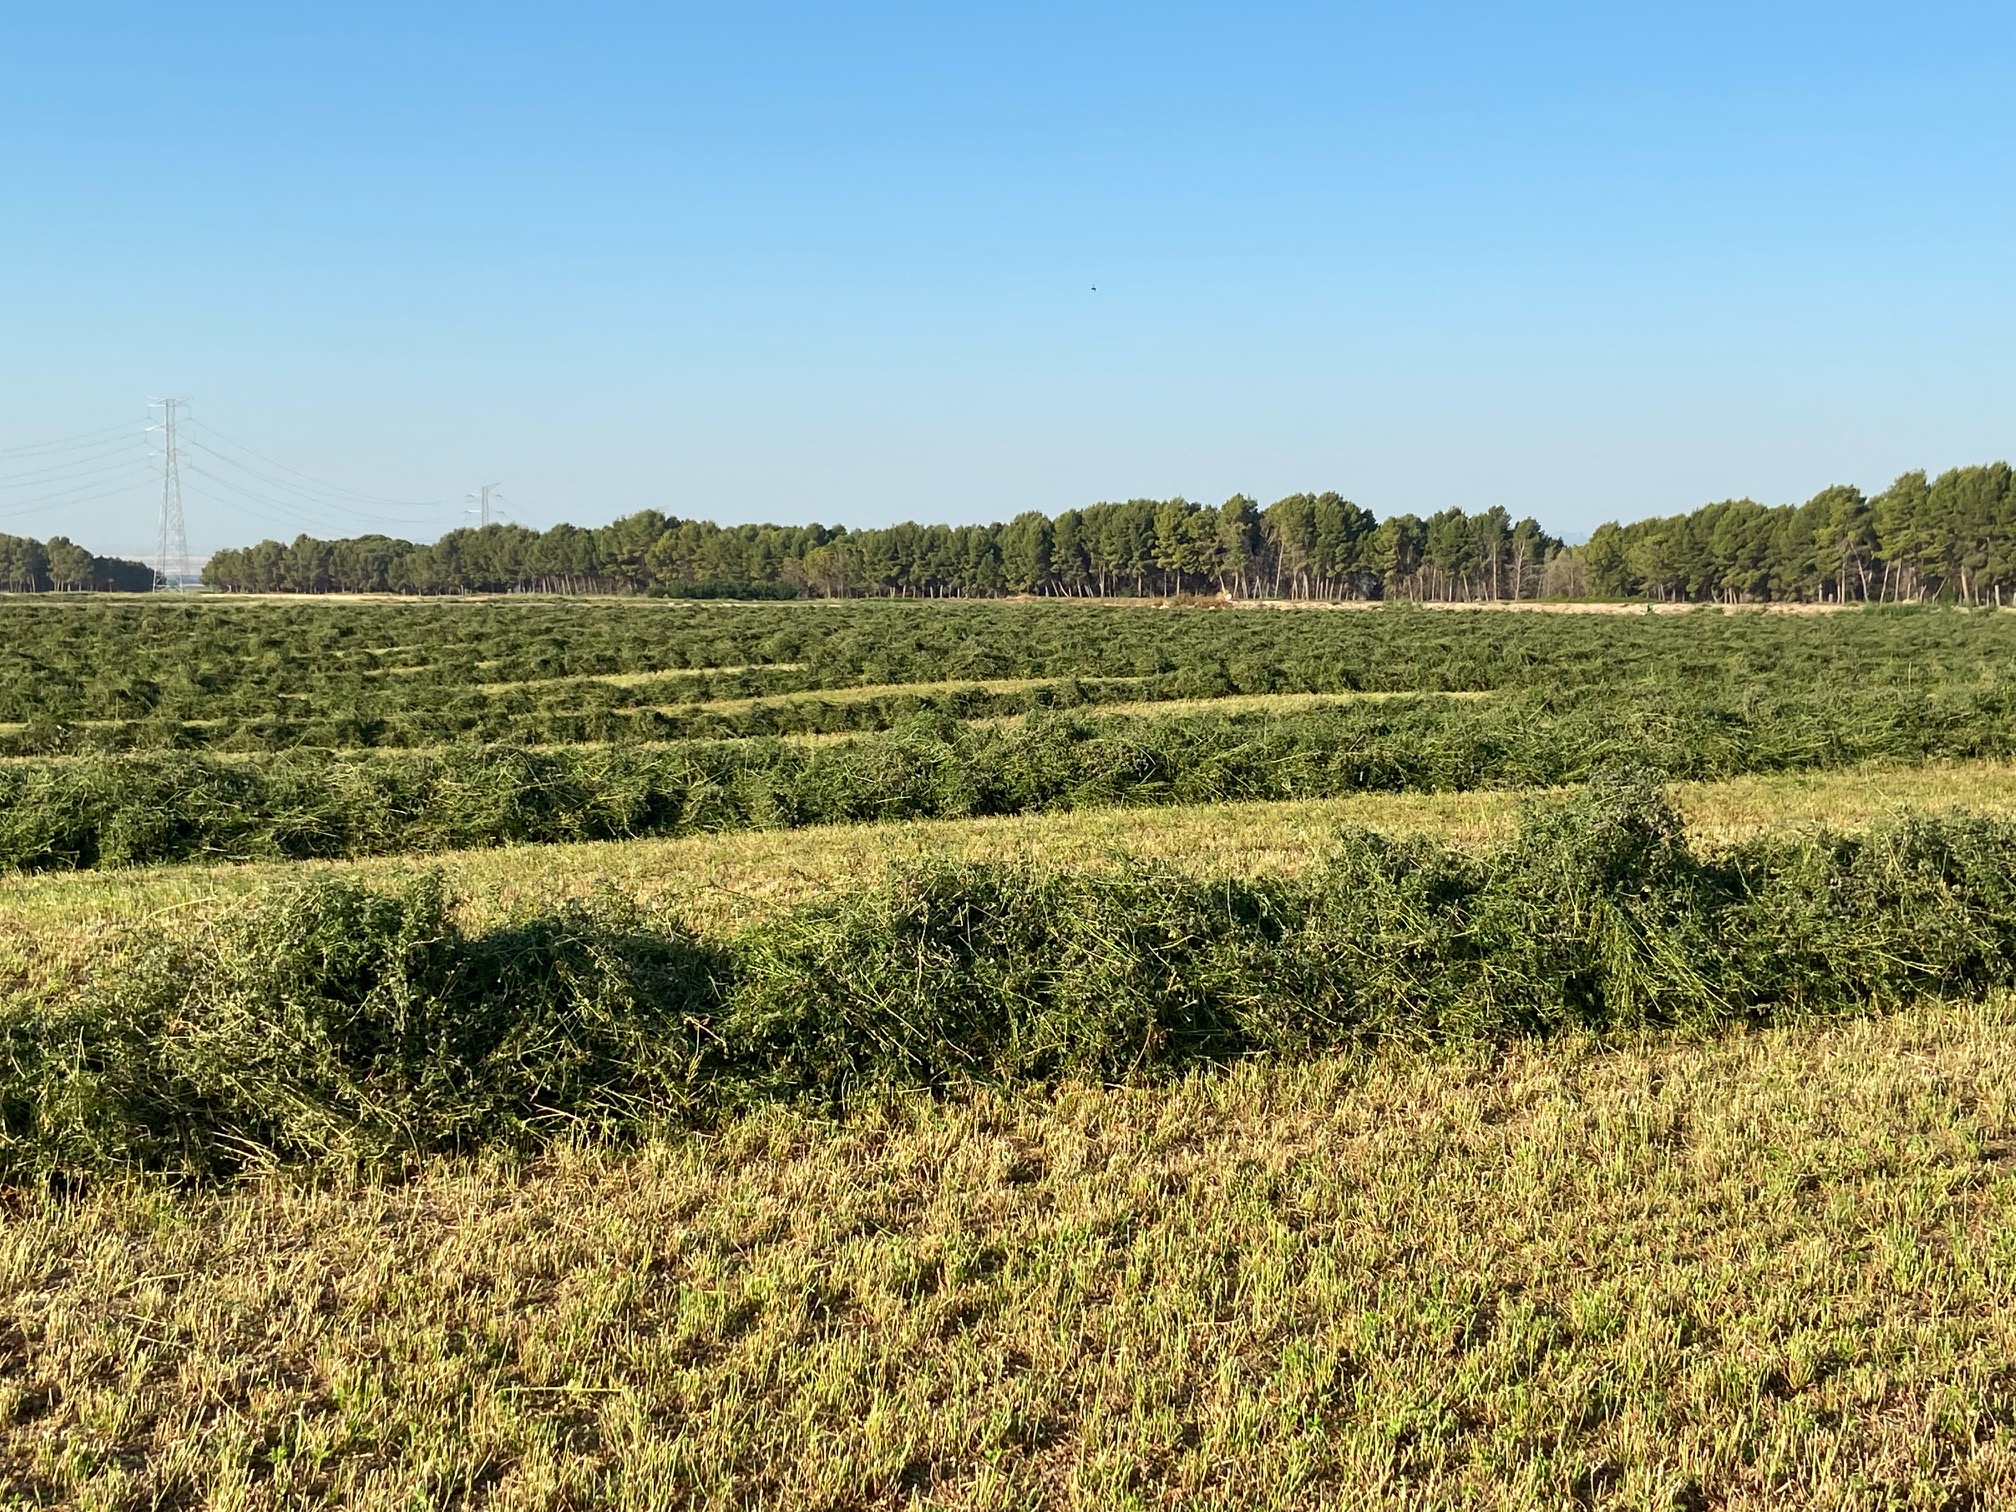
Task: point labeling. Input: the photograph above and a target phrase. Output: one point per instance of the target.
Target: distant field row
(256, 677)
(752, 718)
(157, 807)
(69, 662)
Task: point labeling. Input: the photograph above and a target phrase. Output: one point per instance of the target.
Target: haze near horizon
(793, 264)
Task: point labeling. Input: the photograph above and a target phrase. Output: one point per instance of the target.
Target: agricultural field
(663, 1053)
(144, 734)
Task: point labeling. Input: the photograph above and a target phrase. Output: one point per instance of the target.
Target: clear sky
(839, 262)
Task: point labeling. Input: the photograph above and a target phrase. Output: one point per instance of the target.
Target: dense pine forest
(1947, 538)
(60, 565)
(1953, 537)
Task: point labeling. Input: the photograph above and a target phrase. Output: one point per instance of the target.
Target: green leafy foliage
(336, 1022)
(331, 1021)
(181, 806)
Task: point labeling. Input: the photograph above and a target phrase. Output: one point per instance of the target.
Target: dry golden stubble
(1774, 1270)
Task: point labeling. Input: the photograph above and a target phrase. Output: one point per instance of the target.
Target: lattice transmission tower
(174, 541)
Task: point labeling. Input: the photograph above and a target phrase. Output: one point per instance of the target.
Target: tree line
(1952, 537)
(1303, 546)
(60, 565)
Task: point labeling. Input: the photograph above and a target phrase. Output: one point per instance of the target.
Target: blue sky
(838, 263)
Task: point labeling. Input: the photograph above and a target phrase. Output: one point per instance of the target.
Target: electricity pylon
(174, 539)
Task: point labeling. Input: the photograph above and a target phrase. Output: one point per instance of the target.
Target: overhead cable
(319, 502)
(44, 476)
(70, 501)
(65, 443)
(334, 488)
(289, 510)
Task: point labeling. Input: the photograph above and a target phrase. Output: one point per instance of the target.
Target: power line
(63, 443)
(306, 495)
(334, 488)
(69, 499)
(134, 472)
(33, 467)
(259, 505)
(90, 466)
(43, 477)
(293, 513)
(312, 512)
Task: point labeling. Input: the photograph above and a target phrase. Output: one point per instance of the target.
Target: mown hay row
(267, 671)
(302, 805)
(329, 1020)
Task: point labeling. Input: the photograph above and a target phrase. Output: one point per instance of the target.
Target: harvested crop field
(1766, 1271)
(981, 1054)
